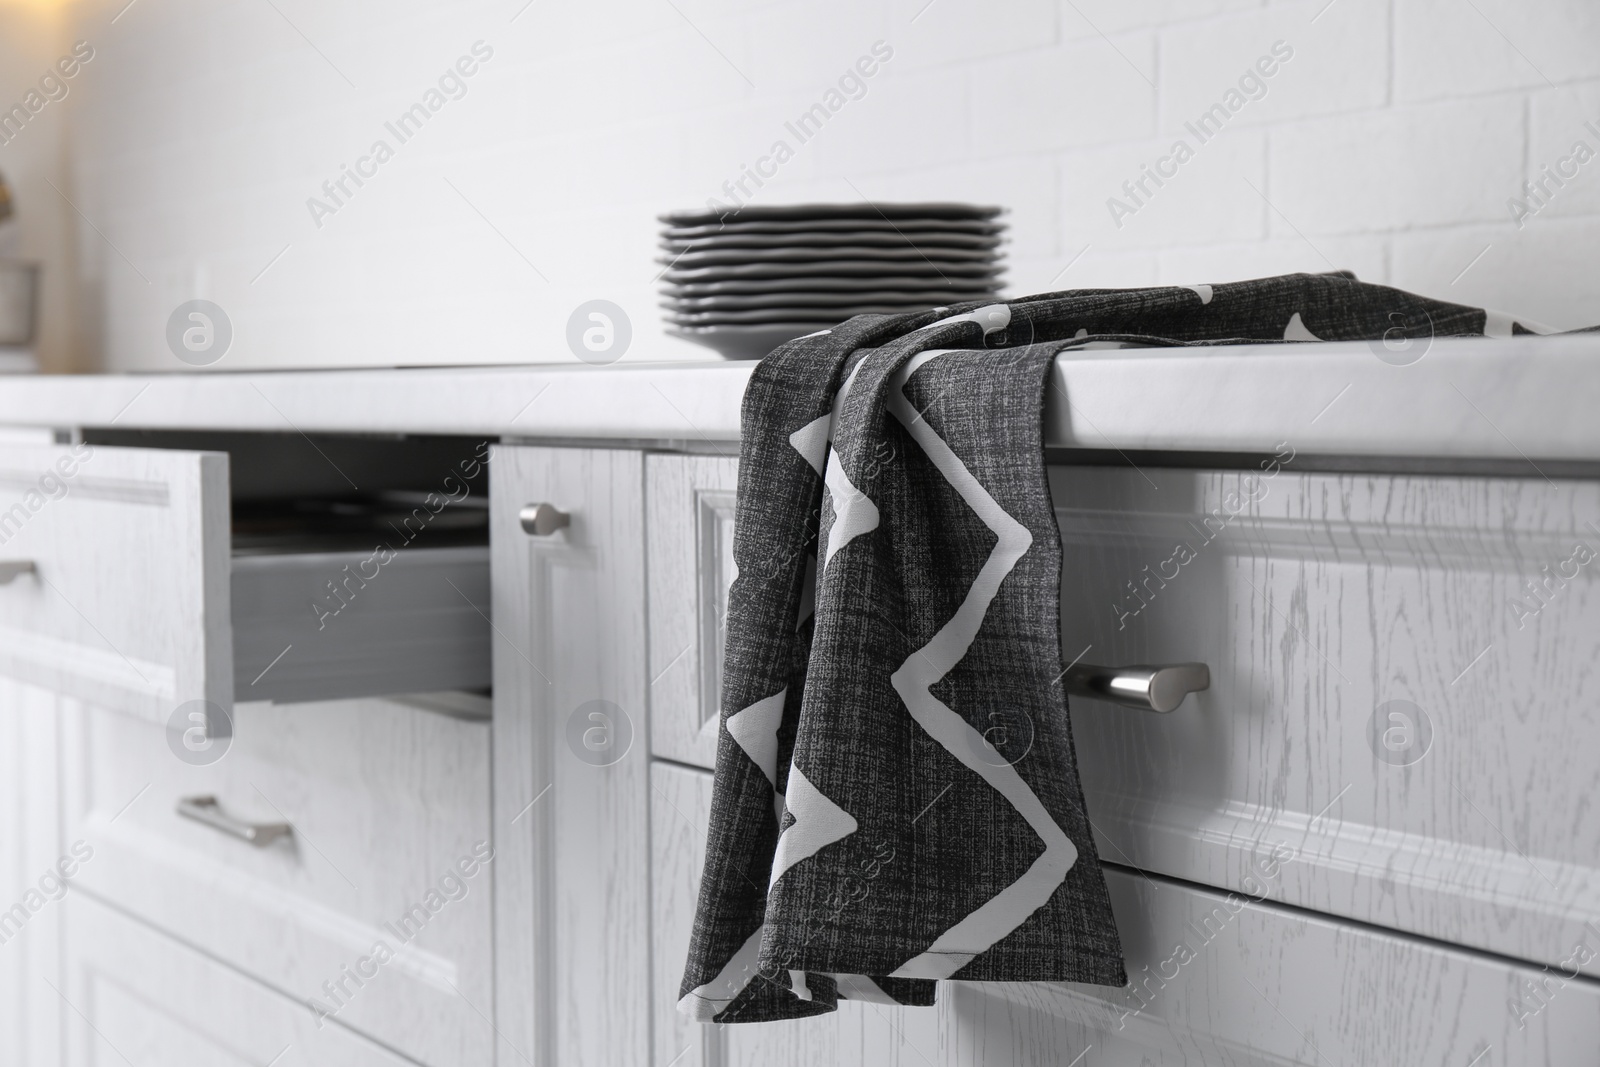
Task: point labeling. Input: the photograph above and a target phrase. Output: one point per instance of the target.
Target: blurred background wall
(33, 35)
(1392, 137)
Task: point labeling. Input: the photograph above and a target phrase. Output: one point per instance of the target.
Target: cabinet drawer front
(690, 537)
(387, 804)
(1400, 682)
(139, 997)
(1219, 978)
(1389, 693)
(127, 602)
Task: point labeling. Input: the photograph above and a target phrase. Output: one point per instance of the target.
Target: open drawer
(120, 584)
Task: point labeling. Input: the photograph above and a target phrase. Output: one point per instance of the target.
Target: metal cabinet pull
(542, 520)
(207, 810)
(11, 570)
(1148, 688)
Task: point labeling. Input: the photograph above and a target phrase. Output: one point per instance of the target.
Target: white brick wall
(1390, 143)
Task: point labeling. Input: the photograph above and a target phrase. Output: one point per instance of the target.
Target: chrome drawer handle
(207, 810)
(1148, 688)
(542, 520)
(11, 570)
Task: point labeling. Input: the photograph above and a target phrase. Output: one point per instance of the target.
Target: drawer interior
(294, 492)
(360, 563)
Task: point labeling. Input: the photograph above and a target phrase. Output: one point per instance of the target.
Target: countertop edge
(1521, 398)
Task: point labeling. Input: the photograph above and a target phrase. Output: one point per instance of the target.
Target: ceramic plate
(974, 229)
(959, 288)
(931, 273)
(889, 297)
(832, 239)
(808, 212)
(821, 316)
(738, 257)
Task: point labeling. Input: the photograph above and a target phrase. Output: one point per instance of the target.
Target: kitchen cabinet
(1214, 978)
(1371, 831)
(571, 771)
(1322, 602)
(380, 871)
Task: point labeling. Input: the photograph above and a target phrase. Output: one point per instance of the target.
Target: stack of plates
(745, 282)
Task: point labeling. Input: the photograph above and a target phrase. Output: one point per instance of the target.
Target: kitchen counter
(1507, 401)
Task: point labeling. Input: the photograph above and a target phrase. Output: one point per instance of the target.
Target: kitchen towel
(896, 797)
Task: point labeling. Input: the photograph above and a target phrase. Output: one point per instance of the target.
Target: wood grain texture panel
(1320, 601)
(129, 607)
(1224, 980)
(691, 502)
(386, 797)
(571, 828)
(138, 997)
(31, 844)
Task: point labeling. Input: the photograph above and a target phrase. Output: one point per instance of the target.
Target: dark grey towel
(897, 798)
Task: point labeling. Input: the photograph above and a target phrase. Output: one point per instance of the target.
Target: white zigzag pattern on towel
(1006, 910)
(1297, 330)
(818, 823)
(811, 441)
(756, 730)
(860, 987)
(853, 512)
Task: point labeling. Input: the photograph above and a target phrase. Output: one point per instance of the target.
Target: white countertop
(1508, 399)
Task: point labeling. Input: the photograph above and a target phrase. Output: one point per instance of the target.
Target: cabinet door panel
(691, 502)
(571, 790)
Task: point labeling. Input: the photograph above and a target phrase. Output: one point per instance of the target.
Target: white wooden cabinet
(1220, 979)
(1215, 978)
(30, 849)
(1423, 870)
(124, 605)
(1325, 605)
(1396, 694)
(135, 997)
(388, 804)
(571, 781)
